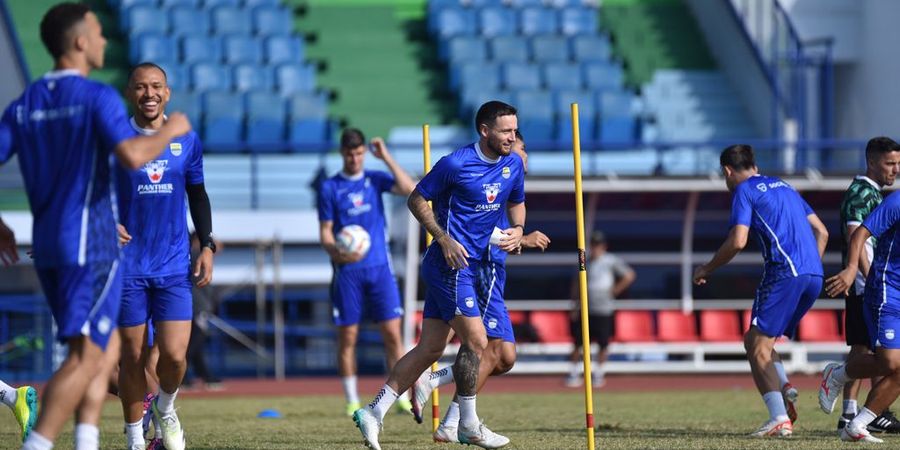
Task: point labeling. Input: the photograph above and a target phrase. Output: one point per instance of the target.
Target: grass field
(663, 420)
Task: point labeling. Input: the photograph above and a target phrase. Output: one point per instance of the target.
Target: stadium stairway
(376, 61)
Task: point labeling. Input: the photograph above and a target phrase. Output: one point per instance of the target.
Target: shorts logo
(889, 334)
(335, 313)
(490, 191)
(762, 187)
(104, 325)
(506, 172)
(175, 148)
(492, 323)
(470, 302)
(155, 170)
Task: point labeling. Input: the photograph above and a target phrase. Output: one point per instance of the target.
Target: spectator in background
(206, 300)
(608, 276)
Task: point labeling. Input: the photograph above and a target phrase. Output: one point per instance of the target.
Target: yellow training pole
(582, 282)
(435, 394)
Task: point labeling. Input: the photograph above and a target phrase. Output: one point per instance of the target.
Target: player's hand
(178, 124)
(536, 239)
(512, 242)
(700, 274)
(203, 267)
(9, 254)
(840, 283)
(455, 254)
(340, 257)
(124, 237)
(379, 148)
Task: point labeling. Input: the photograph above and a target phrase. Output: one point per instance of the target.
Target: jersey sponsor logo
(506, 172)
(762, 187)
(65, 112)
(155, 171)
(175, 148)
(358, 199)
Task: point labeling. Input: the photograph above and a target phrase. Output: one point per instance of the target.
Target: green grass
(663, 420)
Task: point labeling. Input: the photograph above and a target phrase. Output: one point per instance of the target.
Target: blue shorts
(84, 300)
(160, 298)
(450, 293)
(369, 291)
(881, 312)
(491, 281)
(780, 304)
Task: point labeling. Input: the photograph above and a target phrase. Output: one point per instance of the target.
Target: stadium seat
(123, 5)
(252, 77)
(214, 3)
(577, 21)
(186, 102)
(473, 96)
(464, 49)
(266, 114)
(171, 3)
(196, 49)
(551, 326)
(587, 116)
(720, 326)
(186, 20)
(309, 126)
(255, 3)
(295, 78)
(521, 76)
(745, 319)
(145, 19)
(534, 21)
(617, 130)
(498, 21)
(509, 49)
(676, 326)
(603, 76)
(535, 115)
(454, 22)
(152, 47)
(210, 77)
(590, 48)
(468, 74)
(634, 326)
(525, 3)
(518, 317)
(271, 21)
(283, 49)
(222, 119)
(242, 49)
(546, 48)
(560, 76)
(819, 325)
(177, 76)
(231, 20)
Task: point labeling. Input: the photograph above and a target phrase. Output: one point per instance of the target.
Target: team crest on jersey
(506, 172)
(155, 170)
(762, 187)
(490, 191)
(358, 199)
(175, 148)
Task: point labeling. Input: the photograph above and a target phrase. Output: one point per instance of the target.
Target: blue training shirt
(356, 200)
(469, 193)
(64, 129)
(884, 224)
(153, 207)
(777, 214)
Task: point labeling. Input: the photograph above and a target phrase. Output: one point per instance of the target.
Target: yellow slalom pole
(435, 394)
(582, 281)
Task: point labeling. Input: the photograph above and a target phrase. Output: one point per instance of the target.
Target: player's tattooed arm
(454, 253)
(465, 371)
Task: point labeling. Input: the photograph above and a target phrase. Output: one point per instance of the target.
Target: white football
(352, 239)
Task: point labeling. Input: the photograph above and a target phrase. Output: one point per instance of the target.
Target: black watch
(210, 245)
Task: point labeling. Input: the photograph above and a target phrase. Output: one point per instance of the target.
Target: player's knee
(478, 344)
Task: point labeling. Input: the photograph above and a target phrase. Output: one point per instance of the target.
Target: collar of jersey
(144, 131)
(54, 74)
(869, 180)
(356, 177)
(484, 157)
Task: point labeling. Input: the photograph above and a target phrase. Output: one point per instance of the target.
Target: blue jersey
(777, 214)
(469, 193)
(153, 209)
(64, 129)
(884, 224)
(356, 200)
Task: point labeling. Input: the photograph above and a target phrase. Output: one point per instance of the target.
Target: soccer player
(500, 355)
(23, 402)
(64, 129)
(362, 284)
(793, 240)
(470, 188)
(863, 195)
(157, 261)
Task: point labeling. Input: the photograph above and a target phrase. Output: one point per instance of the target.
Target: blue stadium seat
(177, 76)
(497, 21)
(521, 76)
(616, 104)
(195, 49)
(145, 19)
(525, 3)
(152, 47)
(558, 76)
(186, 20)
(309, 126)
(253, 77)
(172, 3)
(255, 3)
(586, 100)
(454, 22)
(464, 49)
(231, 20)
(587, 116)
(272, 20)
(534, 103)
(549, 48)
(577, 21)
(617, 121)
(223, 113)
(123, 7)
(603, 75)
(283, 49)
(210, 77)
(186, 102)
(534, 21)
(242, 49)
(471, 97)
(509, 49)
(295, 78)
(266, 114)
(213, 3)
(591, 48)
(466, 74)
